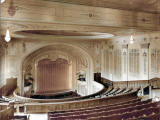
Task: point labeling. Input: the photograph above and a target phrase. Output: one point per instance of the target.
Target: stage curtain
(52, 76)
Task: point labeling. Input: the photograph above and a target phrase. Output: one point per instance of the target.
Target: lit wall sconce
(2, 1)
(7, 37)
(131, 40)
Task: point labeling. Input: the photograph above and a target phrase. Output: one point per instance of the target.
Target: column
(142, 90)
(125, 63)
(144, 61)
(25, 110)
(17, 109)
(110, 62)
(150, 91)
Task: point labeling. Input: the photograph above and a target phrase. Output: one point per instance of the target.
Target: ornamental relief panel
(110, 61)
(125, 61)
(158, 60)
(145, 46)
(97, 62)
(153, 60)
(25, 46)
(89, 46)
(134, 67)
(52, 57)
(12, 48)
(144, 55)
(97, 56)
(117, 63)
(12, 67)
(107, 62)
(97, 48)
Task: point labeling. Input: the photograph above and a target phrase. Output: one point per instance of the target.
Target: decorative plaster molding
(145, 46)
(124, 53)
(125, 46)
(52, 58)
(144, 54)
(111, 47)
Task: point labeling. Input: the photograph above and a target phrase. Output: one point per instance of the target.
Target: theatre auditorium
(80, 60)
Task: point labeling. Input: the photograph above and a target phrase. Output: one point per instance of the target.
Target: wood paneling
(11, 84)
(4, 115)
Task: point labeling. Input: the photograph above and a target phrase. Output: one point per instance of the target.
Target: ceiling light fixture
(2, 1)
(7, 37)
(131, 40)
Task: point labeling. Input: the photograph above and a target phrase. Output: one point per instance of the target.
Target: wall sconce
(2, 1)
(7, 37)
(131, 40)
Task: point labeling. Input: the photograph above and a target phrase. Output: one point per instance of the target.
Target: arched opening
(42, 67)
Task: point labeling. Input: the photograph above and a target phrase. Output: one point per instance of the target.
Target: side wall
(122, 61)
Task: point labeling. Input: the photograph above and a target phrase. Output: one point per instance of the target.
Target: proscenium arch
(73, 46)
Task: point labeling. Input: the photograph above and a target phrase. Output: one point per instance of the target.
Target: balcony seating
(124, 110)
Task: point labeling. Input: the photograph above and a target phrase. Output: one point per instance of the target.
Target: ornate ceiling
(66, 33)
(151, 6)
(78, 19)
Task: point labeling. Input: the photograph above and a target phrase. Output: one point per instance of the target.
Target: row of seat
(152, 116)
(116, 116)
(90, 110)
(114, 91)
(100, 108)
(108, 110)
(132, 100)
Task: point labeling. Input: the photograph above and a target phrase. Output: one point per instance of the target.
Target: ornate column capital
(145, 46)
(111, 46)
(125, 46)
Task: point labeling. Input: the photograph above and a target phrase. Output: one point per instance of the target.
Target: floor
(34, 116)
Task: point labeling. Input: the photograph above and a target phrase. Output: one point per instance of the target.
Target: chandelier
(131, 40)
(2, 1)
(7, 37)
